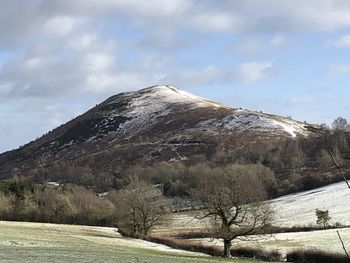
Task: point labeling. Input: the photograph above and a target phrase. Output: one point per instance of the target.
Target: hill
(159, 123)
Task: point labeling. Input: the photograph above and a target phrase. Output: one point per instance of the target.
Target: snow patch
(299, 209)
(243, 120)
(148, 104)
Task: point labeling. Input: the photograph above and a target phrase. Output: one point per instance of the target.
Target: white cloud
(81, 42)
(97, 62)
(151, 8)
(253, 71)
(215, 22)
(104, 82)
(60, 25)
(342, 42)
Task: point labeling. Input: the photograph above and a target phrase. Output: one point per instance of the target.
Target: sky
(58, 58)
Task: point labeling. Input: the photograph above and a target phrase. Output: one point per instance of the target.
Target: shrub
(188, 245)
(314, 256)
(256, 253)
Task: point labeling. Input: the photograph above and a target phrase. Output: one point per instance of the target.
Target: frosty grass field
(38, 242)
(293, 210)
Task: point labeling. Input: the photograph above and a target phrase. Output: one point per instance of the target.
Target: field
(38, 242)
(299, 209)
(290, 210)
(325, 240)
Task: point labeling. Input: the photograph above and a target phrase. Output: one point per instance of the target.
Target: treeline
(299, 164)
(288, 166)
(22, 200)
(291, 165)
(69, 204)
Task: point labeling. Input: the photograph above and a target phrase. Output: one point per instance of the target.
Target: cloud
(60, 17)
(97, 62)
(342, 42)
(82, 41)
(250, 72)
(215, 22)
(247, 73)
(60, 25)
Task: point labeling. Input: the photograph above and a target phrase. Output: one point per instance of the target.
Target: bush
(314, 256)
(188, 245)
(257, 253)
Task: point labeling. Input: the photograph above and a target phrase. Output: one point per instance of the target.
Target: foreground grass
(37, 242)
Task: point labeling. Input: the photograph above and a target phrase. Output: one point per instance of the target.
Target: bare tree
(339, 168)
(342, 243)
(340, 124)
(234, 204)
(137, 211)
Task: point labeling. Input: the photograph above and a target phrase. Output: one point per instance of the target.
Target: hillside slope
(159, 123)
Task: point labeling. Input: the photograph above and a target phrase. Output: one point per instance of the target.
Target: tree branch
(339, 169)
(342, 243)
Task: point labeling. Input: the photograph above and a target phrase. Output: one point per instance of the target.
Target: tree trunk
(227, 248)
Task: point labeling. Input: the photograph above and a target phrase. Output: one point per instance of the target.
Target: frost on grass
(299, 209)
(294, 209)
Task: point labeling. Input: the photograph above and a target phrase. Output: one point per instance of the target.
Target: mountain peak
(156, 88)
(172, 95)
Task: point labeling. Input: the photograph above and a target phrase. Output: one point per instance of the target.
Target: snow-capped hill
(159, 123)
(146, 106)
(172, 95)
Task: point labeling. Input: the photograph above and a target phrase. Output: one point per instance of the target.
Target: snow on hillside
(299, 209)
(140, 110)
(249, 120)
(148, 104)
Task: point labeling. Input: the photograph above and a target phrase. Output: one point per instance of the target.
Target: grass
(37, 242)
